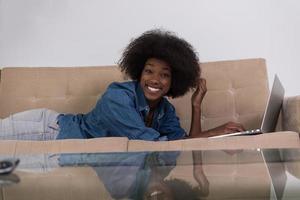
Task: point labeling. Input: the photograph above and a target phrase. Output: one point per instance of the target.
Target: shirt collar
(142, 102)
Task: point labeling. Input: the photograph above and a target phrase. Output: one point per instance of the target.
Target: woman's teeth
(153, 89)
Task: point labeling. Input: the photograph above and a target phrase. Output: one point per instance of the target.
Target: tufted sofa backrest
(64, 89)
(237, 91)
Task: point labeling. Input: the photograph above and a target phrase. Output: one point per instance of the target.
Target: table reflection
(210, 174)
(141, 175)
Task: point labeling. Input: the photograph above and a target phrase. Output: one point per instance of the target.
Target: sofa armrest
(291, 121)
(291, 114)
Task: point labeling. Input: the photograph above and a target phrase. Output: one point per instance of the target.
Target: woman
(160, 64)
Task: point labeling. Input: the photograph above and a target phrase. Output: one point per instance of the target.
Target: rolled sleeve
(170, 126)
(119, 115)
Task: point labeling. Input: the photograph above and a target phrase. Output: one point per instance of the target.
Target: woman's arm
(199, 175)
(117, 114)
(196, 130)
(197, 98)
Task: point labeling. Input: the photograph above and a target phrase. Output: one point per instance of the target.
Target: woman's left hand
(200, 92)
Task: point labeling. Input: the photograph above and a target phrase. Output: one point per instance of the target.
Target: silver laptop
(271, 112)
(276, 169)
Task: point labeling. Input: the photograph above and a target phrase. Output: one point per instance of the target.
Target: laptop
(276, 169)
(271, 112)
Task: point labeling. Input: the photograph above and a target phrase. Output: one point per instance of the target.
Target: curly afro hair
(184, 190)
(166, 46)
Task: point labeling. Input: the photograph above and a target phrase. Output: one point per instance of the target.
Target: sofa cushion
(64, 89)
(19, 147)
(268, 140)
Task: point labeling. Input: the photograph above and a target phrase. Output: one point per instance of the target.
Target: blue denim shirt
(126, 174)
(121, 112)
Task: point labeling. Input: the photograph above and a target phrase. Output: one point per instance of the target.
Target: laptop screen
(273, 107)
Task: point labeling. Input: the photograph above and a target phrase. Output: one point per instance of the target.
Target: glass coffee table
(211, 174)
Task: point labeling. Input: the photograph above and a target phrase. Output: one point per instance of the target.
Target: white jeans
(36, 124)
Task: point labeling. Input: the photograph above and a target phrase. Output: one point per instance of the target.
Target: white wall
(94, 32)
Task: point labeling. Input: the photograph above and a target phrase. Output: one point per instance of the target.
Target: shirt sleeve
(117, 112)
(170, 125)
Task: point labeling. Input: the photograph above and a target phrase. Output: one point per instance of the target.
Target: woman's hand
(229, 127)
(199, 94)
(202, 181)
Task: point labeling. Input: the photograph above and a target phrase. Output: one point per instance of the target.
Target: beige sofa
(231, 88)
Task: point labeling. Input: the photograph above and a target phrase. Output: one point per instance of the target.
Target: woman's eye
(147, 71)
(165, 75)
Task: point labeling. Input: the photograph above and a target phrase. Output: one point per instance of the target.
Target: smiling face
(158, 190)
(155, 80)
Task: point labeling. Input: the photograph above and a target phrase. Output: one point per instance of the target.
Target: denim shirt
(121, 112)
(126, 174)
